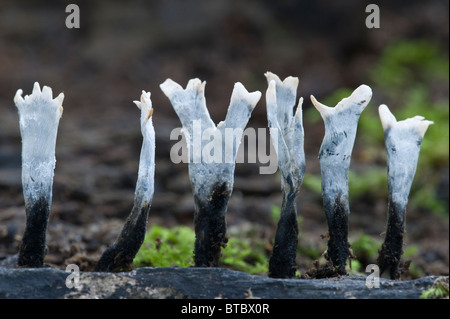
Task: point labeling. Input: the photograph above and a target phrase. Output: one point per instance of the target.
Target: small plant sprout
(281, 98)
(402, 140)
(119, 256)
(212, 154)
(335, 153)
(39, 115)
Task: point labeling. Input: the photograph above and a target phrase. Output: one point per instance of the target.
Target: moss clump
(164, 247)
(244, 256)
(173, 247)
(439, 290)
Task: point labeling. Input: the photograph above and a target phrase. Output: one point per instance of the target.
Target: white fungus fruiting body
(146, 173)
(39, 116)
(288, 139)
(119, 256)
(341, 124)
(281, 98)
(335, 154)
(403, 140)
(211, 175)
(190, 106)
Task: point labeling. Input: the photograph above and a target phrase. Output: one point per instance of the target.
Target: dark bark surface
(196, 283)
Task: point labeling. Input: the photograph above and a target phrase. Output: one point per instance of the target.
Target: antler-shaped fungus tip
(322, 108)
(388, 120)
(241, 93)
(170, 87)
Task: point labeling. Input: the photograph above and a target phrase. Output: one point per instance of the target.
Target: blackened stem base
(119, 256)
(210, 226)
(33, 247)
(282, 263)
(392, 249)
(338, 246)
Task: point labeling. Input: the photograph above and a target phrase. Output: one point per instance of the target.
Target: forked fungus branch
(403, 140)
(212, 182)
(280, 99)
(335, 153)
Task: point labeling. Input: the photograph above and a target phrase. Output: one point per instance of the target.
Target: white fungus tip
(18, 99)
(361, 95)
(59, 99)
(195, 84)
(145, 105)
(241, 93)
(322, 108)
(138, 104)
(272, 77)
(423, 127)
(387, 118)
(169, 87)
(299, 111)
(144, 98)
(36, 88)
(271, 94)
(417, 122)
(47, 92)
(290, 82)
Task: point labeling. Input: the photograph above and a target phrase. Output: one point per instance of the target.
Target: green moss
(438, 290)
(313, 183)
(244, 255)
(404, 63)
(372, 182)
(366, 248)
(173, 247)
(165, 247)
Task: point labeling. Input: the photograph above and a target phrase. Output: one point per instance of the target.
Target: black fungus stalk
(286, 131)
(403, 140)
(39, 116)
(32, 249)
(282, 262)
(335, 153)
(212, 159)
(120, 255)
(210, 226)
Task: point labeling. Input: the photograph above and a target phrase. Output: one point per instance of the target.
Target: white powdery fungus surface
(212, 149)
(341, 123)
(146, 173)
(289, 137)
(403, 140)
(39, 115)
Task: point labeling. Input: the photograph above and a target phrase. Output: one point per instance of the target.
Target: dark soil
(123, 48)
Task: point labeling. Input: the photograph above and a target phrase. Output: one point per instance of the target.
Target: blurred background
(122, 48)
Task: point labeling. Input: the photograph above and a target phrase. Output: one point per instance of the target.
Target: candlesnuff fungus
(403, 140)
(281, 98)
(335, 153)
(119, 256)
(39, 116)
(211, 176)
